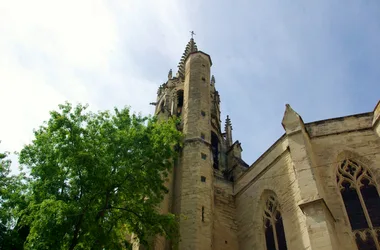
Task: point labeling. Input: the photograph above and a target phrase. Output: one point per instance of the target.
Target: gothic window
(179, 102)
(273, 225)
(215, 149)
(362, 202)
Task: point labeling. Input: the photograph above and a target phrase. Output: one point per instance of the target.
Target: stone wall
(275, 176)
(300, 168)
(334, 140)
(225, 226)
(195, 197)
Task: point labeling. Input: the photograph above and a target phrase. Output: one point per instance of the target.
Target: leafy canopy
(96, 178)
(4, 195)
(13, 199)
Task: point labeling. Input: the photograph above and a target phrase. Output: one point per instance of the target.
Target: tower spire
(190, 48)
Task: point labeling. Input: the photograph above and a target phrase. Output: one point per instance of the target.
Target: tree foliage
(4, 183)
(13, 198)
(95, 178)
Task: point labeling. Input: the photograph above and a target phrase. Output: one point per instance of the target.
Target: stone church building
(317, 187)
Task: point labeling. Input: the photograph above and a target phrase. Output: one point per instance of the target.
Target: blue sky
(322, 57)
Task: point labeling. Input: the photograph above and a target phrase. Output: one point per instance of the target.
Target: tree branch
(74, 241)
(124, 209)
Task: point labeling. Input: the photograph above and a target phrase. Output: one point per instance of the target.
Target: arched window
(273, 225)
(179, 102)
(215, 149)
(162, 106)
(361, 200)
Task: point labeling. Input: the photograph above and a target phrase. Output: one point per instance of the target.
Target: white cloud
(116, 52)
(80, 51)
(79, 33)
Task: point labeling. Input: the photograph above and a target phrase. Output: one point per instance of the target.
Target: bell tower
(188, 95)
(195, 197)
(207, 155)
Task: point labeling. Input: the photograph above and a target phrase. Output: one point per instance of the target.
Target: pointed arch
(179, 102)
(215, 149)
(273, 224)
(359, 191)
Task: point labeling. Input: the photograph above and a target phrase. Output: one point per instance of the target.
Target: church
(317, 187)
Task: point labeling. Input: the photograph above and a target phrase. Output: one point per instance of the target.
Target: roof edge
(339, 118)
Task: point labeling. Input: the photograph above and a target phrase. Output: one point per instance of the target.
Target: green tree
(5, 216)
(13, 199)
(96, 178)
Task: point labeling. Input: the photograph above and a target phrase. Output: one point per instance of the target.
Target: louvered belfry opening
(273, 225)
(179, 102)
(361, 199)
(215, 149)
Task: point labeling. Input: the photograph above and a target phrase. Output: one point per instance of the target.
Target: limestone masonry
(316, 187)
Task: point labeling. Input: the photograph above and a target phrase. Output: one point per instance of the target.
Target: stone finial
(190, 48)
(170, 74)
(212, 80)
(228, 130)
(228, 122)
(161, 88)
(292, 121)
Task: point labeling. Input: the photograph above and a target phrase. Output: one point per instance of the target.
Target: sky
(320, 56)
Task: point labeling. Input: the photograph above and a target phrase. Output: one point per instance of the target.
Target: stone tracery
(361, 199)
(273, 225)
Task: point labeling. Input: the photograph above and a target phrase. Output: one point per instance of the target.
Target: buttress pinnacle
(228, 123)
(213, 80)
(228, 130)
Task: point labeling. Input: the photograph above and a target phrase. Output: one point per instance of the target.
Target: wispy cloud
(322, 57)
(98, 52)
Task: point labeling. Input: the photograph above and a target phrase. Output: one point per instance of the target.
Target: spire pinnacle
(213, 81)
(228, 122)
(190, 48)
(228, 130)
(291, 121)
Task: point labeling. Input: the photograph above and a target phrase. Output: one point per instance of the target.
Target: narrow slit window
(204, 156)
(203, 213)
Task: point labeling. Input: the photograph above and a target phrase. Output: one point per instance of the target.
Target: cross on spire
(192, 34)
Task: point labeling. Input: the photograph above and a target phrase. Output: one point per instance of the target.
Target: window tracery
(361, 199)
(273, 225)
